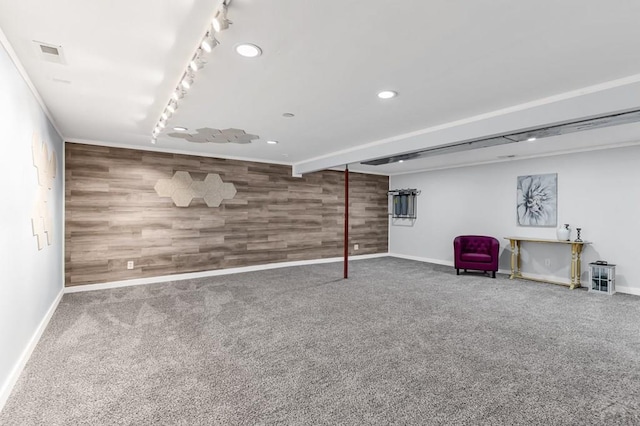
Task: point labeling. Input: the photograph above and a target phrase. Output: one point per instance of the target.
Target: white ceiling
(463, 70)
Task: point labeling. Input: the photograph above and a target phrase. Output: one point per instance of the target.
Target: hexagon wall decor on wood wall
(182, 189)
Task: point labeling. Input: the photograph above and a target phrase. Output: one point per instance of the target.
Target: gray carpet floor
(399, 342)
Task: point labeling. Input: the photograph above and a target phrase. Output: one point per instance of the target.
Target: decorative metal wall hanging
(403, 203)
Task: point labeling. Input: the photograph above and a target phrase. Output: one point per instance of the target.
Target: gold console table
(576, 250)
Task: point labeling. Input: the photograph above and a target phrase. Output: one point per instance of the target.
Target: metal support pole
(346, 221)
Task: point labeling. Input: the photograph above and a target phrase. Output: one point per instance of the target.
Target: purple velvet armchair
(476, 252)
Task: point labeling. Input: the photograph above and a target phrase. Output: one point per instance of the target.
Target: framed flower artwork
(537, 203)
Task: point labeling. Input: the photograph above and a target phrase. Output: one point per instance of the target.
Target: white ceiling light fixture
(220, 21)
(209, 42)
(178, 94)
(187, 81)
(272, 142)
(387, 94)
(197, 62)
(532, 139)
(248, 50)
(180, 129)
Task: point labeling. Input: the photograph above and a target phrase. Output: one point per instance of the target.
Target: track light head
(209, 41)
(197, 62)
(178, 94)
(220, 22)
(187, 81)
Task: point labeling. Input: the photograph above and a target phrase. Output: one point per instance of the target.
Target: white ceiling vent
(50, 52)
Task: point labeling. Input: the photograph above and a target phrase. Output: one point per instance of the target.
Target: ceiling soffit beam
(593, 101)
(530, 135)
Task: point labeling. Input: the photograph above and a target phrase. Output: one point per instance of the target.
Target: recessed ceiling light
(272, 142)
(387, 94)
(531, 139)
(248, 50)
(288, 115)
(180, 129)
(401, 161)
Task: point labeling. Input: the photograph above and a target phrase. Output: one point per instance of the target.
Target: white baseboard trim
(213, 273)
(422, 259)
(628, 290)
(619, 289)
(435, 261)
(7, 387)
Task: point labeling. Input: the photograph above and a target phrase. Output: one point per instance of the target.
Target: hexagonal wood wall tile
(213, 199)
(182, 197)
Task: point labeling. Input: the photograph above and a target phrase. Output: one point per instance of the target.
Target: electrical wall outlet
(130, 264)
(356, 246)
(547, 262)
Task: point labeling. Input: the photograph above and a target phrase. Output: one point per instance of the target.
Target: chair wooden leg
(457, 271)
(494, 274)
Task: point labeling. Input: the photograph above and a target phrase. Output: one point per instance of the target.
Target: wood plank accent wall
(114, 215)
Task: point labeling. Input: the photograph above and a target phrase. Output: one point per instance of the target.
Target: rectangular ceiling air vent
(50, 52)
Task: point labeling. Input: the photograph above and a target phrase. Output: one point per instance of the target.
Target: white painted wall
(30, 280)
(598, 191)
